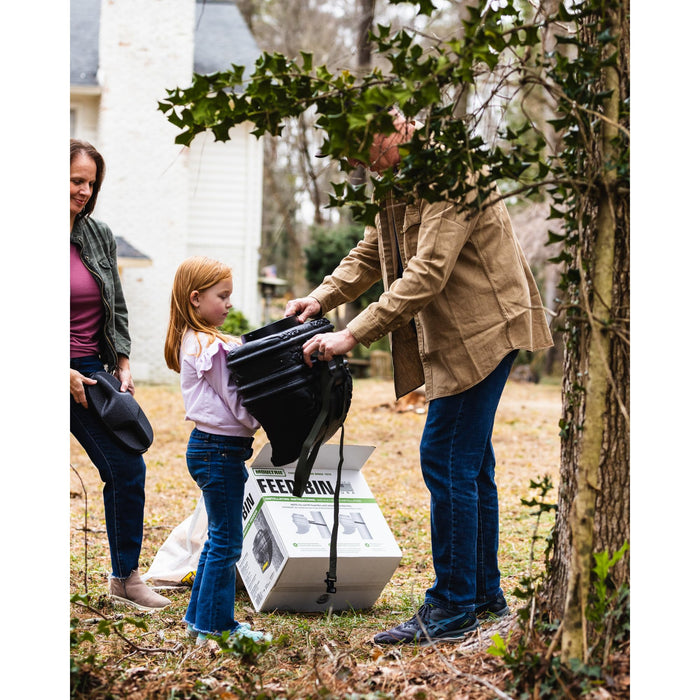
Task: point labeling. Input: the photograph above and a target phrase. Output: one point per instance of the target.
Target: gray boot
(133, 591)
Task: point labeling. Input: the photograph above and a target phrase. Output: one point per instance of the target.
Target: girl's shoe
(243, 630)
(191, 631)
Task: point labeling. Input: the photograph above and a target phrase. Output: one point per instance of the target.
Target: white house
(162, 201)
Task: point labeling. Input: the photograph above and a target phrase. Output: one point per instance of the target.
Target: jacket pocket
(411, 227)
(106, 263)
(411, 216)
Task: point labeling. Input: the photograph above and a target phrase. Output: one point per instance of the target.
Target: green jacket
(98, 251)
(459, 293)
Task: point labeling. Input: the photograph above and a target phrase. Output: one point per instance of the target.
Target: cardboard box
(286, 539)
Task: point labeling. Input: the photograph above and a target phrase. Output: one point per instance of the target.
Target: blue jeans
(217, 464)
(458, 465)
(124, 477)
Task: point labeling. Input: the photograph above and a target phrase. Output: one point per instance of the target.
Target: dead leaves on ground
(319, 658)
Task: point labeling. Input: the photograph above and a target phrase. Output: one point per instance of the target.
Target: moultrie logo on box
(269, 472)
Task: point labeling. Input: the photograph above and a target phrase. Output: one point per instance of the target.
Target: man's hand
(303, 308)
(329, 344)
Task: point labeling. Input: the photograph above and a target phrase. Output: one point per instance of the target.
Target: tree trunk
(248, 9)
(364, 46)
(593, 513)
(307, 167)
(281, 216)
(364, 65)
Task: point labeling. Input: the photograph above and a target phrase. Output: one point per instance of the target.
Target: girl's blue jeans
(458, 465)
(217, 464)
(124, 477)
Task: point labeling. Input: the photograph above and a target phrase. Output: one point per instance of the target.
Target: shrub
(235, 324)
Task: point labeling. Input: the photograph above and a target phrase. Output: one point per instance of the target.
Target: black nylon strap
(306, 460)
(331, 576)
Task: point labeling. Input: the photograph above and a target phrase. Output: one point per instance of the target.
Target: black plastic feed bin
(299, 407)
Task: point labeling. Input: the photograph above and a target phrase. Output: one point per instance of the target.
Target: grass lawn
(312, 655)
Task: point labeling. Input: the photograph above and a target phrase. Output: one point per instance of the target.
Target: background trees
(296, 182)
(535, 97)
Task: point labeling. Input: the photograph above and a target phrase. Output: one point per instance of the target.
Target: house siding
(84, 111)
(169, 202)
(226, 209)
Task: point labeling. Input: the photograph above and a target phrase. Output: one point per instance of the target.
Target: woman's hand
(329, 344)
(303, 308)
(77, 387)
(123, 374)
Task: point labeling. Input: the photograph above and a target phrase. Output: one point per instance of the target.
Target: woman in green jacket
(99, 339)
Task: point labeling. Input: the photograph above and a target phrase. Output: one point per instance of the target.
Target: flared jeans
(217, 464)
(458, 466)
(123, 474)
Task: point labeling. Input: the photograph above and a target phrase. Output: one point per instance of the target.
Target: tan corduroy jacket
(464, 299)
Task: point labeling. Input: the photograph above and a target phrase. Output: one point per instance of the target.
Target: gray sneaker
(493, 608)
(133, 591)
(429, 624)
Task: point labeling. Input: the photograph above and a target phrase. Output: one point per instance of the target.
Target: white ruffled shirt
(211, 398)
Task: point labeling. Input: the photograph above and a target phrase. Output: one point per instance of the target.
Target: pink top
(86, 310)
(211, 398)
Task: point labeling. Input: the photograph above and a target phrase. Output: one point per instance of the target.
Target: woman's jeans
(217, 464)
(124, 477)
(458, 465)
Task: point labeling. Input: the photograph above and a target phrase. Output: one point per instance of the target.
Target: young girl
(220, 441)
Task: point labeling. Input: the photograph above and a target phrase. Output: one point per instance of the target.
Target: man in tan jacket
(459, 302)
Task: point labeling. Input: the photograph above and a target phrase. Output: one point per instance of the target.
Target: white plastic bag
(175, 563)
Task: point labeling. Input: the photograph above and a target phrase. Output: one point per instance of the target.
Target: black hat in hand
(119, 413)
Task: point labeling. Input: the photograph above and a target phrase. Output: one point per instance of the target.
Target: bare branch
(85, 527)
(135, 647)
